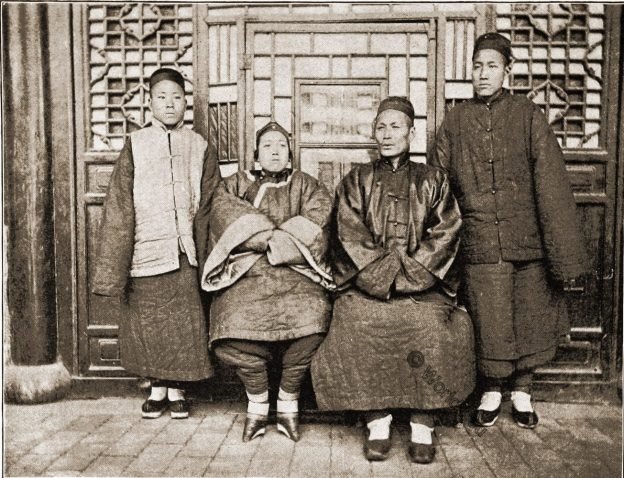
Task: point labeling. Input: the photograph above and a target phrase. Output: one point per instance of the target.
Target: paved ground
(107, 437)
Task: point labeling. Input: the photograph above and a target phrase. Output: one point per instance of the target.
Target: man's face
(394, 133)
(489, 70)
(167, 102)
(273, 151)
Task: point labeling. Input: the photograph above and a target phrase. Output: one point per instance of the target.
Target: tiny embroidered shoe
(288, 417)
(288, 424)
(154, 408)
(255, 426)
(179, 409)
(421, 452)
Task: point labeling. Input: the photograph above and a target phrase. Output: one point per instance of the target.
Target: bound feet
(258, 413)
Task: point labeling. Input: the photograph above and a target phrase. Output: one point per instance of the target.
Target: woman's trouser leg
(250, 359)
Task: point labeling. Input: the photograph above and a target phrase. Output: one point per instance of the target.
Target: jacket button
(396, 200)
(493, 191)
(488, 130)
(496, 222)
(396, 224)
(490, 161)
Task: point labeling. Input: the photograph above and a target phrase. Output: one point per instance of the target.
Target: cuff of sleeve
(302, 228)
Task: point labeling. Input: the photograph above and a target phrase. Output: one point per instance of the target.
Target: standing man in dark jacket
(520, 241)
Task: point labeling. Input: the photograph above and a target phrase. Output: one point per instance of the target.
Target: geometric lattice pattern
(127, 43)
(558, 54)
(223, 131)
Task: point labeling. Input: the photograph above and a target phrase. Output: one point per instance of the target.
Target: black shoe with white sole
(486, 418)
(524, 419)
(154, 408)
(179, 409)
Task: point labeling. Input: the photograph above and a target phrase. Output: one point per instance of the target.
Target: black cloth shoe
(154, 408)
(179, 409)
(485, 418)
(421, 452)
(288, 424)
(524, 419)
(255, 425)
(377, 450)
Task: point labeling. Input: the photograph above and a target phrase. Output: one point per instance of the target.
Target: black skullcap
(166, 74)
(493, 41)
(399, 103)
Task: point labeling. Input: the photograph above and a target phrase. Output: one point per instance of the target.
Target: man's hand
(258, 242)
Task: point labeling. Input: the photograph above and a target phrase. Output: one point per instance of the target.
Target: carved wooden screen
(561, 62)
(118, 46)
(307, 77)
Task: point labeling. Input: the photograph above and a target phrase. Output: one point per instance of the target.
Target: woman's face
(273, 151)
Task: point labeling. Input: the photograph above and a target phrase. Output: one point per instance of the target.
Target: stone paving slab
(107, 437)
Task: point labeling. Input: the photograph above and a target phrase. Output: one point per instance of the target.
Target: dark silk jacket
(369, 253)
(509, 177)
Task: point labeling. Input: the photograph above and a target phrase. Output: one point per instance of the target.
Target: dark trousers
(250, 358)
(520, 381)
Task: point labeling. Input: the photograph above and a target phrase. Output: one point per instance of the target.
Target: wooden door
(567, 60)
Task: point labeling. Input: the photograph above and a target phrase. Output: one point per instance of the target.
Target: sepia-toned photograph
(312, 239)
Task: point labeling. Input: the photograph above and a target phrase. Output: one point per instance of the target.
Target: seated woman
(267, 268)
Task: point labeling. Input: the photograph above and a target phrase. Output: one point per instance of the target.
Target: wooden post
(33, 373)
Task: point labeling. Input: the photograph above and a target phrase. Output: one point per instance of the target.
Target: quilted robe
(280, 294)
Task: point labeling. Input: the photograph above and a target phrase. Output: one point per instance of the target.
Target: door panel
(567, 62)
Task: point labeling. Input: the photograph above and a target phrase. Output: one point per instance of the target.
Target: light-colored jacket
(152, 199)
(167, 188)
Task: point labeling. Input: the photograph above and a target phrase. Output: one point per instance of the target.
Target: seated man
(266, 264)
(396, 339)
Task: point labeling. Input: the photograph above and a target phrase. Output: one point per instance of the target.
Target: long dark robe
(280, 294)
(396, 339)
(162, 327)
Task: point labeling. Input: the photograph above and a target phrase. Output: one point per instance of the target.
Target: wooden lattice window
(126, 44)
(223, 131)
(558, 62)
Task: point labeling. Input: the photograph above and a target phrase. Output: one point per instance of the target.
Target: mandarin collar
(496, 97)
(160, 125)
(270, 175)
(385, 163)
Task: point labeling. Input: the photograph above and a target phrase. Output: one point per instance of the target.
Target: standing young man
(520, 241)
